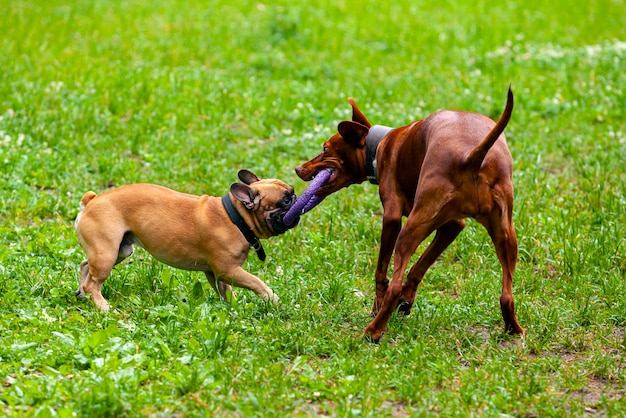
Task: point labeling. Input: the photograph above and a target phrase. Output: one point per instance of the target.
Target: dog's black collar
(241, 224)
(374, 136)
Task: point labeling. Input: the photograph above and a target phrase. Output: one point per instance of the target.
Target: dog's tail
(87, 197)
(475, 158)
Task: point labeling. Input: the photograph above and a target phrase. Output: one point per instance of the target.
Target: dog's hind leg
(84, 273)
(102, 256)
(94, 271)
(443, 238)
(502, 233)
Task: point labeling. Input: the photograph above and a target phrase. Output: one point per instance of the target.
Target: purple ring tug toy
(307, 200)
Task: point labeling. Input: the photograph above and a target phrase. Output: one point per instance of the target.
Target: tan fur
(182, 230)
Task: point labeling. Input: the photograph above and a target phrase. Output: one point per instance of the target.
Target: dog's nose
(301, 172)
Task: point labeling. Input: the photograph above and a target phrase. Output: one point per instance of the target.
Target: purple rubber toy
(307, 200)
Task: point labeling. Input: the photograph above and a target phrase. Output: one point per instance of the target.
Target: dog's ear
(247, 176)
(353, 132)
(244, 194)
(357, 115)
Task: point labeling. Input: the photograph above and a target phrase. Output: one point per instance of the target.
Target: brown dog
(436, 172)
(202, 233)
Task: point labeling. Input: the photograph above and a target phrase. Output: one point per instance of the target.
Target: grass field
(95, 94)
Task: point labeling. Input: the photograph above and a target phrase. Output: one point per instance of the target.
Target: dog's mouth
(329, 186)
(276, 217)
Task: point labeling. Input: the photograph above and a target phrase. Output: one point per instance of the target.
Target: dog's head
(343, 153)
(265, 201)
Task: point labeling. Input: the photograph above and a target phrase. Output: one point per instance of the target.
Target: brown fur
(436, 172)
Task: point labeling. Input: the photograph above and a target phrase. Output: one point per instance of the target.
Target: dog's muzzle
(276, 218)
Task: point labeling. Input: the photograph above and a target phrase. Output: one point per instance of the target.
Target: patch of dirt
(593, 393)
(320, 409)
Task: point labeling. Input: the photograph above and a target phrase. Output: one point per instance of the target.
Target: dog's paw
(515, 329)
(370, 339)
(373, 336)
(271, 297)
(404, 307)
(102, 304)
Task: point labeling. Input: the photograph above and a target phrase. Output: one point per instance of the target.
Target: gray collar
(374, 136)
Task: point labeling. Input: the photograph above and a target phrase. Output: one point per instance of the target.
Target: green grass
(183, 94)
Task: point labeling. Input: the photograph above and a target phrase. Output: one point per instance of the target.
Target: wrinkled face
(275, 198)
(338, 155)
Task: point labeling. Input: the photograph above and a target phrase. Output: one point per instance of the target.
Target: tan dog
(203, 233)
(436, 172)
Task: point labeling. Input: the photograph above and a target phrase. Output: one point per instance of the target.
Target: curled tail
(87, 197)
(475, 158)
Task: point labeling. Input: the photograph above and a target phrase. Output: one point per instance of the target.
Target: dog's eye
(286, 201)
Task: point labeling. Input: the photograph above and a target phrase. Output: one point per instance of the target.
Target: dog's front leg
(221, 288)
(443, 238)
(392, 223)
(378, 326)
(420, 223)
